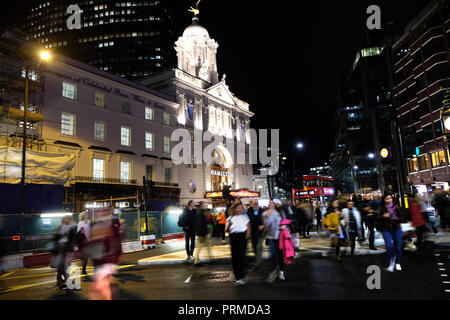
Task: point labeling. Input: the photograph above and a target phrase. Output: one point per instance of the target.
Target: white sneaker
(241, 282)
(398, 267)
(281, 275)
(390, 268)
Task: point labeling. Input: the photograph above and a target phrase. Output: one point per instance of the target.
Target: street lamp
(44, 56)
(371, 155)
(299, 147)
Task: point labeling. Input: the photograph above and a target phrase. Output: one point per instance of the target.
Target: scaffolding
(13, 71)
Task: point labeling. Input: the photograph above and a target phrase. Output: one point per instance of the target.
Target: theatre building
(206, 104)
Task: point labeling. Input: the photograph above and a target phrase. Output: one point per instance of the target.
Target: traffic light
(409, 138)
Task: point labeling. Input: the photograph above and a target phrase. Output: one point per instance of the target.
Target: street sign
(384, 153)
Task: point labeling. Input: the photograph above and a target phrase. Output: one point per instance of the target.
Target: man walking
(203, 220)
(352, 219)
(257, 226)
(187, 222)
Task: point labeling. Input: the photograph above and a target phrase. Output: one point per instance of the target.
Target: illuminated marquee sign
(242, 193)
(221, 173)
(213, 195)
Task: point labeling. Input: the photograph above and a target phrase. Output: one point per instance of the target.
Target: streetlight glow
(299, 145)
(45, 55)
(371, 155)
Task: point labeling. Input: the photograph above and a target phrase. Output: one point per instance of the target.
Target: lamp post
(44, 56)
(299, 146)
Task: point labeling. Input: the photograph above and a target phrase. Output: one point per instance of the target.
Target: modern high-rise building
(421, 77)
(364, 125)
(131, 39)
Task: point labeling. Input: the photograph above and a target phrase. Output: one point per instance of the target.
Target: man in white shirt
(352, 220)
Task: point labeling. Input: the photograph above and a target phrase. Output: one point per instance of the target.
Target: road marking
(188, 279)
(7, 274)
(32, 275)
(15, 288)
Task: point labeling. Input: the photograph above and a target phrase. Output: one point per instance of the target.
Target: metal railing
(103, 180)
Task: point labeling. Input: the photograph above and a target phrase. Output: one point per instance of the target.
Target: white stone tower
(196, 53)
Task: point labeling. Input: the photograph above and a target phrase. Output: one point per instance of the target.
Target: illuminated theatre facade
(206, 104)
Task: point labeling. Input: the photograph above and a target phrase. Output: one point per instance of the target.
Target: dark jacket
(187, 219)
(201, 224)
(389, 224)
(255, 221)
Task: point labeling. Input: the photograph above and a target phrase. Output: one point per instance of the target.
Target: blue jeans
(391, 239)
(276, 255)
(189, 235)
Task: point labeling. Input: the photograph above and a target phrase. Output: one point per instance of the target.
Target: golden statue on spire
(195, 10)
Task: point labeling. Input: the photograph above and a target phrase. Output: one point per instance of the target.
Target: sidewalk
(314, 246)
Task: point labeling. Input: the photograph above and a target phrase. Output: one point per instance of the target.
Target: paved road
(312, 277)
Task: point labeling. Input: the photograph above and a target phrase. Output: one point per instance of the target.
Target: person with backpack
(187, 221)
(203, 224)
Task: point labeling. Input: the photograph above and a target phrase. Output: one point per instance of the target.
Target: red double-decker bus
(315, 187)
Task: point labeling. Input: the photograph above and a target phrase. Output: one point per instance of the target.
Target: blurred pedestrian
(238, 226)
(221, 221)
(255, 215)
(318, 216)
(441, 204)
(64, 242)
(106, 248)
(389, 219)
(352, 220)
(187, 222)
(83, 236)
(417, 218)
(272, 227)
(332, 222)
(203, 220)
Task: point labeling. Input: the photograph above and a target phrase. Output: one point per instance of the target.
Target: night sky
(279, 57)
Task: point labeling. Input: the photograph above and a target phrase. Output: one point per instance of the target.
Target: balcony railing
(103, 180)
(163, 184)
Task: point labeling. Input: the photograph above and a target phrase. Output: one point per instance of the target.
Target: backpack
(182, 220)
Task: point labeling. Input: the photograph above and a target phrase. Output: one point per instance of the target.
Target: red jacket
(287, 246)
(417, 219)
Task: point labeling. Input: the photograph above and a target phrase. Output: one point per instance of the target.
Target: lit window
(68, 124)
(149, 141)
(125, 136)
(99, 131)
(124, 171)
(438, 159)
(148, 113)
(166, 144)
(69, 90)
(166, 118)
(98, 169)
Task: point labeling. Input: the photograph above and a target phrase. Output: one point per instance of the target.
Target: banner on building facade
(41, 167)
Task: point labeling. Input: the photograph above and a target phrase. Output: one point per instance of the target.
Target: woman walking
(64, 248)
(389, 218)
(318, 216)
(238, 226)
(272, 227)
(332, 222)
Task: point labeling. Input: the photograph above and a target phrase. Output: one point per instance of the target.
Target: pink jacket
(287, 244)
